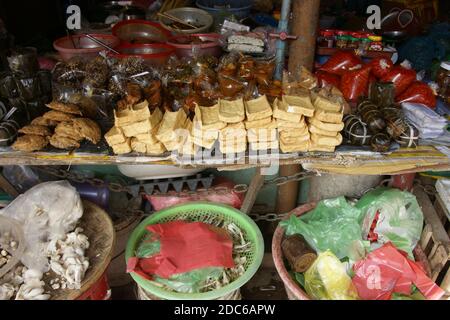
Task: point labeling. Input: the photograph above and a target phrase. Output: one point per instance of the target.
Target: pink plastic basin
(85, 47)
(185, 48)
(153, 54)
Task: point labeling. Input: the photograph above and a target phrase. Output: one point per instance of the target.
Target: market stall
(226, 87)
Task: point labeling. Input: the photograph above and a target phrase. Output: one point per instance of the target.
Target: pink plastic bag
(340, 62)
(230, 197)
(401, 77)
(418, 92)
(185, 246)
(387, 270)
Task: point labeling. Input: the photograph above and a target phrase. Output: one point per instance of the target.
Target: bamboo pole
(305, 17)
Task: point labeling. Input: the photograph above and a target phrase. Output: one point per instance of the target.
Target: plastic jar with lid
(376, 43)
(443, 80)
(326, 39)
(353, 41)
(341, 39)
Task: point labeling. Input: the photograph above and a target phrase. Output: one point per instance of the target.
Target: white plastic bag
(47, 211)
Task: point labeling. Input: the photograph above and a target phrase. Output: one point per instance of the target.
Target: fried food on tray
(68, 129)
(30, 143)
(89, 129)
(36, 130)
(65, 107)
(58, 116)
(61, 142)
(41, 121)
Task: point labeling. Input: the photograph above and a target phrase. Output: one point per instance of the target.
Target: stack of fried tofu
(262, 131)
(206, 126)
(326, 124)
(290, 113)
(135, 129)
(173, 131)
(232, 138)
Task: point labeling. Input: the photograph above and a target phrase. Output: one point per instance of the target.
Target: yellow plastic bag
(327, 279)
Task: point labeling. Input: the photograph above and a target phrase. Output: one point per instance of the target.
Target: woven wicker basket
(99, 228)
(293, 290)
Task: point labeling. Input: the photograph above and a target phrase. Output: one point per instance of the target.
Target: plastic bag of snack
(401, 77)
(264, 71)
(327, 279)
(418, 92)
(327, 79)
(381, 67)
(340, 62)
(355, 83)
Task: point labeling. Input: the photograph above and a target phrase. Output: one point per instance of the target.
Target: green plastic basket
(192, 212)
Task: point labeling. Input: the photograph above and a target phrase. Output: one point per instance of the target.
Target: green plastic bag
(148, 247)
(333, 225)
(327, 279)
(400, 218)
(191, 282)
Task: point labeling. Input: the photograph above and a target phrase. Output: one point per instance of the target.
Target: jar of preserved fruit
(443, 80)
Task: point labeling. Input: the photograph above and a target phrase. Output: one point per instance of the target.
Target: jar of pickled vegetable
(443, 80)
(353, 42)
(326, 39)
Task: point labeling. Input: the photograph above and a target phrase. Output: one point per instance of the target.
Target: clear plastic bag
(397, 216)
(401, 77)
(47, 211)
(327, 279)
(333, 225)
(191, 282)
(11, 230)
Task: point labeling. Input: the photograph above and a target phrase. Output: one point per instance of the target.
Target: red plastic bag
(401, 77)
(341, 62)
(327, 79)
(230, 198)
(186, 246)
(387, 270)
(381, 67)
(418, 92)
(355, 84)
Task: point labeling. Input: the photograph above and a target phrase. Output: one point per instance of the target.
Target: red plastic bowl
(85, 47)
(183, 48)
(140, 32)
(153, 54)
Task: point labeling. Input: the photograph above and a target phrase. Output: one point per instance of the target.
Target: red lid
(358, 35)
(341, 32)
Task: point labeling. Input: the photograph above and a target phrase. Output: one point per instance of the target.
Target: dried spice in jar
(341, 39)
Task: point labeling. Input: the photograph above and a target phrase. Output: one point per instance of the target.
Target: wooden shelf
(425, 158)
(369, 54)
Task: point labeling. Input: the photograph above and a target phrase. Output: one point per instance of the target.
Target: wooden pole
(305, 17)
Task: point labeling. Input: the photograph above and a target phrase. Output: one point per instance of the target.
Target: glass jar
(443, 80)
(327, 39)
